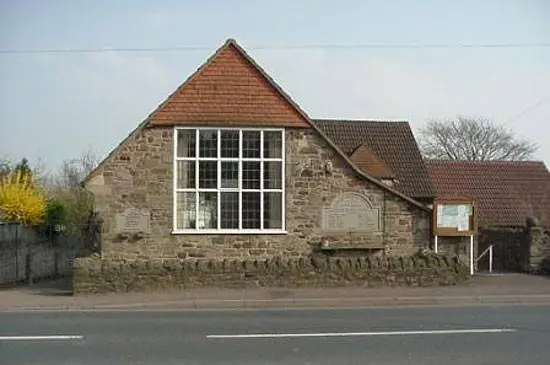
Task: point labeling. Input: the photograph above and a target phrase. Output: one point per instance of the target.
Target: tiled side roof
(391, 142)
(368, 162)
(506, 193)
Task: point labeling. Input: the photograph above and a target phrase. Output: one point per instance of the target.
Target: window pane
(273, 144)
(208, 174)
(230, 175)
(251, 210)
(229, 210)
(186, 175)
(230, 143)
(273, 210)
(185, 210)
(186, 143)
(208, 210)
(272, 175)
(251, 175)
(208, 143)
(251, 144)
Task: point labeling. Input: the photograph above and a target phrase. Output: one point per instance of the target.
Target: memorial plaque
(351, 213)
(132, 221)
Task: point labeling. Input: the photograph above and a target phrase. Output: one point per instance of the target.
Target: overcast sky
(55, 106)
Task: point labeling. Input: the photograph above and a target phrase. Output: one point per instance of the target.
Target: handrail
(490, 251)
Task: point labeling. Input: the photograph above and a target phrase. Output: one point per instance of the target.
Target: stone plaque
(132, 220)
(351, 213)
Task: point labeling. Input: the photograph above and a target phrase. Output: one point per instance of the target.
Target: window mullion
(283, 180)
(219, 182)
(175, 182)
(240, 179)
(197, 200)
(261, 180)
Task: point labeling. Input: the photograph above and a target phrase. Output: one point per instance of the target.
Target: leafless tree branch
(474, 139)
(65, 187)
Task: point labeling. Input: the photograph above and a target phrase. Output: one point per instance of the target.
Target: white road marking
(40, 338)
(355, 334)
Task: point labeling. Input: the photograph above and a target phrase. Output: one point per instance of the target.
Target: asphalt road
(476, 335)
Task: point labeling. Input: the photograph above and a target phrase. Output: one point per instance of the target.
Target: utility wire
(287, 47)
(528, 109)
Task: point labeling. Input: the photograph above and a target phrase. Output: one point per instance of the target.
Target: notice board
(454, 217)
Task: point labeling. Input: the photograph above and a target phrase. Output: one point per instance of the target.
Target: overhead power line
(281, 47)
(528, 109)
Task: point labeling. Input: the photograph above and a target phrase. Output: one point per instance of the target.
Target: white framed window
(229, 180)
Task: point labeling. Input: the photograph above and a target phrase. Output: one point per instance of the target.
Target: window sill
(230, 231)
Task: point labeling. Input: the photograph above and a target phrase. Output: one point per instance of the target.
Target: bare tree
(36, 168)
(5, 166)
(66, 188)
(75, 170)
(475, 139)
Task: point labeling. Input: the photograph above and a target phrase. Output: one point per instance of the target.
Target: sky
(55, 106)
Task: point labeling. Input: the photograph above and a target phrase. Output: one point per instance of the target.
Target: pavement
(404, 335)
(507, 289)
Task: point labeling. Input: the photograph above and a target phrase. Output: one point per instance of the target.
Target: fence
(27, 255)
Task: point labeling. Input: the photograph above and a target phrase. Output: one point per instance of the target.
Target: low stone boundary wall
(96, 275)
(540, 250)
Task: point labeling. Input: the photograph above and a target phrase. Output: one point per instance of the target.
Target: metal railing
(488, 250)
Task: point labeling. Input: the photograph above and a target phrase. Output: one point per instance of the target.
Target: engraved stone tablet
(351, 213)
(132, 221)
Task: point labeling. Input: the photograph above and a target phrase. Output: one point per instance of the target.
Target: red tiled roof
(391, 142)
(229, 89)
(506, 193)
(368, 162)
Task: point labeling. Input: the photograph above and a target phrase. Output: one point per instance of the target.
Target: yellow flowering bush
(20, 200)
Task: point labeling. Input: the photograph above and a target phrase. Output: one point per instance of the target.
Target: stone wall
(539, 250)
(516, 249)
(455, 246)
(139, 175)
(510, 248)
(96, 275)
